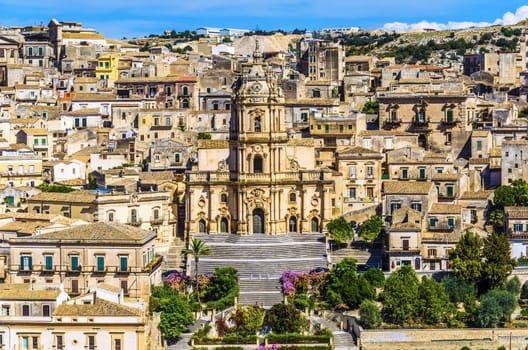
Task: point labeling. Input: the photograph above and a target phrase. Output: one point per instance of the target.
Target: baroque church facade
(263, 180)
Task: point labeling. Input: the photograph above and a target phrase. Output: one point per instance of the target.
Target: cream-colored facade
(266, 181)
(84, 256)
(20, 168)
(96, 321)
(361, 173)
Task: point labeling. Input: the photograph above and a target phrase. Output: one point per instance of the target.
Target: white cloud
(508, 18)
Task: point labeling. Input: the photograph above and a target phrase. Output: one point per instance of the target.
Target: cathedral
(263, 180)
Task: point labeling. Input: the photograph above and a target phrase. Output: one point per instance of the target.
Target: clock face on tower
(256, 87)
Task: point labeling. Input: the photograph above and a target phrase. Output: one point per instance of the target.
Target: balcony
(450, 123)
(419, 125)
(391, 124)
(156, 221)
(442, 227)
(136, 222)
(512, 234)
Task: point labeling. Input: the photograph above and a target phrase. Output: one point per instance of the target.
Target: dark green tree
(495, 306)
(340, 230)
(458, 290)
(498, 264)
(224, 281)
(433, 302)
(346, 264)
(375, 276)
(197, 249)
(524, 291)
(285, 318)
(347, 287)
(400, 296)
(513, 285)
(371, 228)
(369, 314)
(466, 259)
(176, 316)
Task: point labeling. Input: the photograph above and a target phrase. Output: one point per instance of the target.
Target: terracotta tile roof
(477, 195)
(446, 177)
(358, 150)
(72, 35)
(516, 142)
(35, 131)
(407, 187)
(441, 237)
(479, 161)
(73, 197)
(72, 182)
(27, 227)
(82, 111)
(496, 152)
(480, 133)
(516, 212)
(100, 231)
(101, 307)
(441, 208)
(88, 96)
(406, 218)
(109, 287)
(22, 292)
(85, 80)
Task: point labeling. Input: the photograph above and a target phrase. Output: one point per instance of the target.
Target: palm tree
(197, 248)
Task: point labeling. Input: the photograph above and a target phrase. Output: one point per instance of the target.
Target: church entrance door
(258, 221)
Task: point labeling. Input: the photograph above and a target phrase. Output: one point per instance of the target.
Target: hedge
(295, 338)
(228, 339)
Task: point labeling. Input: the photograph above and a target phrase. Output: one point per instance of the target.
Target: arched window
(185, 91)
(293, 197)
(201, 226)
(257, 164)
(155, 214)
(258, 221)
(185, 104)
(224, 226)
(315, 225)
(111, 216)
(258, 124)
(223, 198)
(292, 224)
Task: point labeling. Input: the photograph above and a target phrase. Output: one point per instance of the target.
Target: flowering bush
(177, 281)
(311, 283)
(288, 282)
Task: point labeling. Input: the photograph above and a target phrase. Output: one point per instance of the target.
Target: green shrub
(295, 338)
(204, 331)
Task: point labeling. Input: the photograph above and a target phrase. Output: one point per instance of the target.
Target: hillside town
(130, 166)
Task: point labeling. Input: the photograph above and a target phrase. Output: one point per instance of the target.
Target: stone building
(263, 180)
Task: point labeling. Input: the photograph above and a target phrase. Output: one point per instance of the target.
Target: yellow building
(20, 168)
(82, 257)
(107, 70)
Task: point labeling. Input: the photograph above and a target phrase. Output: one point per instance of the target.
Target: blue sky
(137, 18)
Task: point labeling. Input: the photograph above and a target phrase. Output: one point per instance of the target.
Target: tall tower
(258, 141)
(266, 181)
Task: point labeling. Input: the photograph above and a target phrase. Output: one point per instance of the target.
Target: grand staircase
(261, 259)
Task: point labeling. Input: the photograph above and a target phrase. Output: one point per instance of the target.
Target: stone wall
(442, 339)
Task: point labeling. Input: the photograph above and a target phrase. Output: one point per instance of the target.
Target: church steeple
(257, 55)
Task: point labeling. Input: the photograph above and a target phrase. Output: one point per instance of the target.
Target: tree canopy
(466, 259)
(400, 296)
(340, 230)
(371, 228)
(485, 264)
